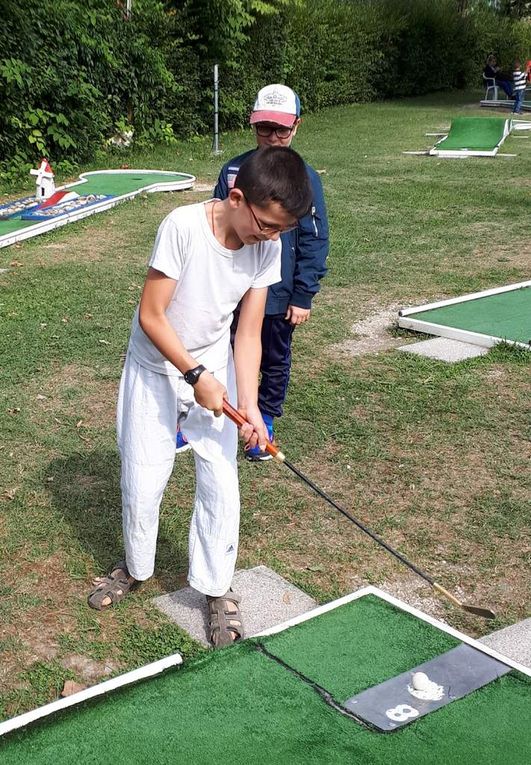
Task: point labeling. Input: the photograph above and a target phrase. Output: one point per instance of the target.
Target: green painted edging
(506, 315)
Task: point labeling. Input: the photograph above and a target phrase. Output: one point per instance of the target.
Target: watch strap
(192, 375)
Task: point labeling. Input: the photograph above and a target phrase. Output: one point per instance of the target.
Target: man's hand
(209, 392)
(254, 432)
(297, 315)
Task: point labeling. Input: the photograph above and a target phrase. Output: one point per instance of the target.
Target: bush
(73, 70)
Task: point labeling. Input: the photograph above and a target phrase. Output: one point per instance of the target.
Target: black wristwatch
(192, 376)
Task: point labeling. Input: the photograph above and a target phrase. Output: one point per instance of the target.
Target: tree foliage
(72, 72)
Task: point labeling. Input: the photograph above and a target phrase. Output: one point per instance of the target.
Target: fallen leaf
(70, 687)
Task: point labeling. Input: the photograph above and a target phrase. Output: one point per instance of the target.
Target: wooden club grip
(234, 415)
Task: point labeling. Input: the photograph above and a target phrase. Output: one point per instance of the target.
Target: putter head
(485, 613)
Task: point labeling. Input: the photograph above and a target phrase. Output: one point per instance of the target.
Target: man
(276, 119)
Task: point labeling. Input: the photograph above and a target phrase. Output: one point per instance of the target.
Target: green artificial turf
(116, 184)
(343, 652)
(474, 133)
(241, 706)
(506, 315)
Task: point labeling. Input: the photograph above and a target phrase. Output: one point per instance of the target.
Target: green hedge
(73, 72)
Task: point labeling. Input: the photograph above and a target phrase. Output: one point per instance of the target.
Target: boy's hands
(209, 392)
(254, 432)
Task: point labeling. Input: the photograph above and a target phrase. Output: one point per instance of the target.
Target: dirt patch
(91, 671)
(199, 188)
(373, 334)
(516, 255)
(411, 590)
(74, 394)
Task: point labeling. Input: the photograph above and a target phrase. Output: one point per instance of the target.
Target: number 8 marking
(402, 712)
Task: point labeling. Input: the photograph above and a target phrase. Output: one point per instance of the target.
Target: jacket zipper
(314, 223)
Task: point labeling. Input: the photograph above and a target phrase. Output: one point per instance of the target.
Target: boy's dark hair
(276, 174)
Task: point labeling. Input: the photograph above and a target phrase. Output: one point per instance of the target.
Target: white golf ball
(420, 681)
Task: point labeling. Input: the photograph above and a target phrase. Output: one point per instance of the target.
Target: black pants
(275, 366)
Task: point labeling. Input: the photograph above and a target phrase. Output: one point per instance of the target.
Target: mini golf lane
(108, 187)
(243, 706)
(484, 318)
(473, 136)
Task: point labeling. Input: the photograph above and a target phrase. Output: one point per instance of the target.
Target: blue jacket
(304, 249)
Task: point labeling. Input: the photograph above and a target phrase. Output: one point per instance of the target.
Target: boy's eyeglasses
(268, 229)
(264, 131)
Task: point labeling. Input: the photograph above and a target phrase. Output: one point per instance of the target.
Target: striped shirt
(519, 79)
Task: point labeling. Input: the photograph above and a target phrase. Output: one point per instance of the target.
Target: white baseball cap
(276, 103)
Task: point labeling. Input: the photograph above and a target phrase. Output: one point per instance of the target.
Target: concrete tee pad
(513, 641)
(445, 349)
(266, 600)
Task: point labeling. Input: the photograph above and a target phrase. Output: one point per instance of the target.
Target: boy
(207, 259)
(519, 84)
(276, 118)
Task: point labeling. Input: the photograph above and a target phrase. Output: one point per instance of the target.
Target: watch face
(192, 376)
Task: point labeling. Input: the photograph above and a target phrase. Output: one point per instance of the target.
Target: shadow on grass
(85, 491)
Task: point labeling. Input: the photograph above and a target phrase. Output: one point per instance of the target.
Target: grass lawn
(433, 457)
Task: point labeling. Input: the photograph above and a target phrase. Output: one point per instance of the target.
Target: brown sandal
(225, 619)
(115, 586)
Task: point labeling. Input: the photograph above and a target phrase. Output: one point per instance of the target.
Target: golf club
(275, 452)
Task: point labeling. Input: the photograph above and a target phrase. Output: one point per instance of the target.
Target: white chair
(491, 86)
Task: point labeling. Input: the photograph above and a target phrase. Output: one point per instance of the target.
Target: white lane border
(506, 103)
(49, 225)
(406, 319)
(149, 670)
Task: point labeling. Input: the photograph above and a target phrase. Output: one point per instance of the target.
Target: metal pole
(216, 148)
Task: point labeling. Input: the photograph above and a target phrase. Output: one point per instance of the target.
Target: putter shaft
(275, 452)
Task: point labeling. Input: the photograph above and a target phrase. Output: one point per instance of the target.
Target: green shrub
(72, 70)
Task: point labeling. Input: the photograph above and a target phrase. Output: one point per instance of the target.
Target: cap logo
(275, 98)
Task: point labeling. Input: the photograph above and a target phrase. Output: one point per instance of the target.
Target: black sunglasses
(264, 131)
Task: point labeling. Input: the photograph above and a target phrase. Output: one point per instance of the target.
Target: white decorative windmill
(44, 181)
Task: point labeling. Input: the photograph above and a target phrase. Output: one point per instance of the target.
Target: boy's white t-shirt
(211, 281)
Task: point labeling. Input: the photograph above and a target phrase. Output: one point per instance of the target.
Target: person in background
(493, 72)
(519, 81)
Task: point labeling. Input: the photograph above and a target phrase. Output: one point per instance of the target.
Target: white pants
(149, 406)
